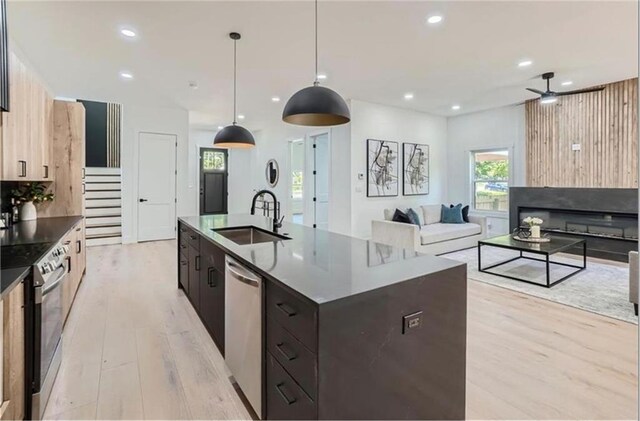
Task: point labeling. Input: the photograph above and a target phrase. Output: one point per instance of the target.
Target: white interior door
(156, 186)
(321, 172)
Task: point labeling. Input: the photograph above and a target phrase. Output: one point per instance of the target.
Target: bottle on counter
(15, 213)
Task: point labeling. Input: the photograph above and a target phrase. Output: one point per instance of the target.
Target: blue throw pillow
(452, 215)
(413, 217)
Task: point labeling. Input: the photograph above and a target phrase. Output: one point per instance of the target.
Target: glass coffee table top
(557, 244)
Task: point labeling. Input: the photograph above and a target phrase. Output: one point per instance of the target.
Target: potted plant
(534, 225)
(27, 195)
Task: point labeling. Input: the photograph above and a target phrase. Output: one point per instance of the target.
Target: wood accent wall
(603, 123)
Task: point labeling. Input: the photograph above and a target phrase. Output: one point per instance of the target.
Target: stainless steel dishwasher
(243, 330)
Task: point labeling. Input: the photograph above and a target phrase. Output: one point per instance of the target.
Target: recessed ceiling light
(126, 75)
(275, 98)
(525, 63)
(240, 116)
(434, 19)
(193, 85)
(129, 33)
(567, 83)
(455, 107)
(322, 76)
(408, 96)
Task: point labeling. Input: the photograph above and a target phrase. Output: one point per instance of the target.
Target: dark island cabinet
(212, 291)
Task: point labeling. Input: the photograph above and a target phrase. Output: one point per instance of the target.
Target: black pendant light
(234, 136)
(316, 105)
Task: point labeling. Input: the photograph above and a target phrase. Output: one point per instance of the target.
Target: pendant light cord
(234, 81)
(316, 82)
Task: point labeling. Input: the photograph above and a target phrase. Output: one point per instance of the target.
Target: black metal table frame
(547, 261)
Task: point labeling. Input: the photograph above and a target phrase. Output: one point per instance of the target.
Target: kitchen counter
(26, 242)
(321, 265)
(11, 277)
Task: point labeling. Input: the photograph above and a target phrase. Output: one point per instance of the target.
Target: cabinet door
(194, 277)
(78, 250)
(212, 300)
(183, 270)
(16, 142)
(68, 288)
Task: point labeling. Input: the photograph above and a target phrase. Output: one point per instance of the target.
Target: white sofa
(432, 237)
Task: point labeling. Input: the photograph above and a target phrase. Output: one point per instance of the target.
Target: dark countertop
(9, 278)
(26, 242)
(321, 265)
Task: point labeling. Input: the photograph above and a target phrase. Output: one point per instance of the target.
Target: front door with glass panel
(214, 173)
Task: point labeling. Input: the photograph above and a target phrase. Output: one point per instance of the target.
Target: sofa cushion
(399, 216)
(432, 214)
(388, 213)
(465, 212)
(452, 215)
(436, 233)
(413, 217)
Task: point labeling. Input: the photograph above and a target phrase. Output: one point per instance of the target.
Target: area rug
(602, 288)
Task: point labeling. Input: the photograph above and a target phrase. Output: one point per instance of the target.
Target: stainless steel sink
(249, 235)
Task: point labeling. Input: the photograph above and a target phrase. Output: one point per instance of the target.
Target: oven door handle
(55, 284)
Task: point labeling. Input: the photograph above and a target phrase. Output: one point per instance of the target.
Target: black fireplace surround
(606, 218)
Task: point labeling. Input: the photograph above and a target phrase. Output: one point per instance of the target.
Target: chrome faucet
(277, 220)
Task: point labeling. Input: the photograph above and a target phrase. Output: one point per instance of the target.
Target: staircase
(103, 206)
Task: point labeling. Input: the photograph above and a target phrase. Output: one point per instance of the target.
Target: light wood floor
(134, 348)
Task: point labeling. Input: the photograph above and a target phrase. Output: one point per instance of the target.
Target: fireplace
(606, 218)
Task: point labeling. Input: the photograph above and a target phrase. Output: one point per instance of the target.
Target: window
(213, 160)
(490, 180)
(297, 184)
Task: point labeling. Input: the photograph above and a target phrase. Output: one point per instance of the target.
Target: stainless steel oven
(49, 275)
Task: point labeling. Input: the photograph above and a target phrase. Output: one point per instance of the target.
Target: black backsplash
(5, 191)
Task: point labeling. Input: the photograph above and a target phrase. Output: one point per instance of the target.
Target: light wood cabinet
(69, 156)
(27, 128)
(13, 354)
(75, 240)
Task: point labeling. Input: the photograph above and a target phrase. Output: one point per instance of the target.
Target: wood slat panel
(603, 123)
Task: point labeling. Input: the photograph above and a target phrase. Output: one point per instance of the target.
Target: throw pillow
(413, 217)
(465, 212)
(399, 216)
(452, 215)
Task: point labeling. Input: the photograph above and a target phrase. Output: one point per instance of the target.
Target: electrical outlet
(411, 322)
(576, 147)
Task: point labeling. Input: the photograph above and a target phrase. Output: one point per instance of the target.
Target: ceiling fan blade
(535, 91)
(580, 91)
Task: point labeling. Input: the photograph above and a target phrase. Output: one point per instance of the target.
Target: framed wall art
(415, 169)
(382, 168)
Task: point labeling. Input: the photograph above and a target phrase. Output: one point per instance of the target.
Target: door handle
(197, 263)
(280, 348)
(210, 280)
(142, 200)
(286, 309)
(46, 171)
(23, 168)
(78, 247)
(287, 399)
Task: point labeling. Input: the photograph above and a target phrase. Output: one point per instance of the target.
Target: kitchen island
(351, 329)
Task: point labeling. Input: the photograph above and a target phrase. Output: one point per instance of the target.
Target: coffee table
(556, 245)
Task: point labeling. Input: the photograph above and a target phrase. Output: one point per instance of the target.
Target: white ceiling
(372, 51)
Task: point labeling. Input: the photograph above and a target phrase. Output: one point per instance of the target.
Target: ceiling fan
(550, 96)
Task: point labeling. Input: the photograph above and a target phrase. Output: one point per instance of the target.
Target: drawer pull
(287, 399)
(284, 353)
(286, 309)
(210, 279)
(193, 237)
(183, 262)
(182, 246)
(198, 263)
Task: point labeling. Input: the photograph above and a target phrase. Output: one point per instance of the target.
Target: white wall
(136, 119)
(373, 121)
(241, 162)
(497, 128)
